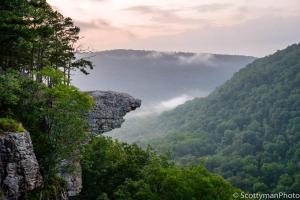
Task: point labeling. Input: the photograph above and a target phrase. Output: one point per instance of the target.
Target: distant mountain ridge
(155, 77)
(121, 52)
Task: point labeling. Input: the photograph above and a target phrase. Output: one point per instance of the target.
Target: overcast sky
(249, 27)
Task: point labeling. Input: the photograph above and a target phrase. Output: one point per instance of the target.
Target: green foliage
(113, 170)
(63, 128)
(33, 36)
(55, 187)
(10, 125)
(65, 119)
(37, 56)
(50, 74)
(247, 130)
(9, 89)
(54, 116)
(106, 165)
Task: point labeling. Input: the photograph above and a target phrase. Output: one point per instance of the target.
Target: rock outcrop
(74, 178)
(109, 110)
(19, 168)
(107, 114)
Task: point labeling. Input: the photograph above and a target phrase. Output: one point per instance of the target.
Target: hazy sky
(250, 27)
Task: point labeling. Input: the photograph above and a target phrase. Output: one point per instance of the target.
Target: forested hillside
(247, 130)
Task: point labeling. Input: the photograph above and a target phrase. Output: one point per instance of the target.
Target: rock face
(107, 114)
(74, 178)
(19, 168)
(109, 110)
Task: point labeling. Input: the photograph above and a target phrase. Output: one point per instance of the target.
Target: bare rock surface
(109, 110)
(19, 168)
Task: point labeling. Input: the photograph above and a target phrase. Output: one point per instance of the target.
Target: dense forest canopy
(37, 54)
(247, 130)
(113, 170)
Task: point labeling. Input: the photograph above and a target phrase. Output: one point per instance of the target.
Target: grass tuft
(10, 125)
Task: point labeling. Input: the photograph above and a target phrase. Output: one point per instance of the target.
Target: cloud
(144, 9)
(173, 103)
(93, 0)
(176, 25)
(203, 58)
(213, 7)
(98, 23)
(100, 33)
(102, 25)
(154, 55)
(161, 106)
(161, 15)
(256, 37)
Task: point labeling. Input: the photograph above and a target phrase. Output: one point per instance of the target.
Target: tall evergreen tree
(34, 36)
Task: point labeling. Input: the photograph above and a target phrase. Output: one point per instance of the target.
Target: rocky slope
(19, 168)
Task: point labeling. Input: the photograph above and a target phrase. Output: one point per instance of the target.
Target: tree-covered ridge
(248, 129)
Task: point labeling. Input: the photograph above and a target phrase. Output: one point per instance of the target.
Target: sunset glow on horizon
(255, 27)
